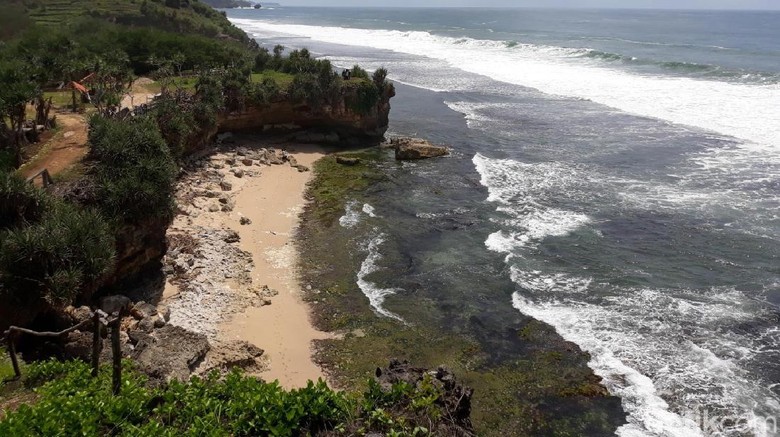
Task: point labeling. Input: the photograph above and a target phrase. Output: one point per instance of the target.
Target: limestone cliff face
(339, 118)
(138, 246)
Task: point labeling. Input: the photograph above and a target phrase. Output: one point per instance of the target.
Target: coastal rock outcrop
(454, 399)
(343, 160)
(416, 148)
(341, 121)
(170, 352)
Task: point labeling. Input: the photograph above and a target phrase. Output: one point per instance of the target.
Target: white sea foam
(369, 210)
(728, 108)
(375, 294)
(353, 212)
(643, 333)
(654, 348)
(351, 216)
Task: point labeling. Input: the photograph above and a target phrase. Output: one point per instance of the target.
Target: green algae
(547, 389)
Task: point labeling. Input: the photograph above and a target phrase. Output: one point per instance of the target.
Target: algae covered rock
(416, 148)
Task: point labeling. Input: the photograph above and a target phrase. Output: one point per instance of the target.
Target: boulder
(78, 345)
(142, 310)
(455, 399)
(164, 312)
(301, 168)
(77, 315)
(227, 207)
(147, 324)
(247, 162)
(343, 160)
(171, 352)
(115, 304)
(224, 356)
(225, 186)
(416, 148)
(231, 237)
(238, 173)
(245, 221)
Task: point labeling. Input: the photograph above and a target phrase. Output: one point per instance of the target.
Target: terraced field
(54, 12)
(181, 16)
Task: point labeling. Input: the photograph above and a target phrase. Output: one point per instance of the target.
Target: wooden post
(117, 355)
(12, 352)
(95, 343)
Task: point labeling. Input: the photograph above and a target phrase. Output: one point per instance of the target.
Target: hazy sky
(660, 4)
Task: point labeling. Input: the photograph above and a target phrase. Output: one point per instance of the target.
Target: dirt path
(67, 147)
(140, 93)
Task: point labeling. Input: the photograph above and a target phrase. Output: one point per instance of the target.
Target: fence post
(116, 350)
(11, 336)
(95, 343)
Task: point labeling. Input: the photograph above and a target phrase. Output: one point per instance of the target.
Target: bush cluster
(70, 400)
(134, 170)
(50, 250)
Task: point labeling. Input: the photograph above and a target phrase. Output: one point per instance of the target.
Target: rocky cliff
(340, 118)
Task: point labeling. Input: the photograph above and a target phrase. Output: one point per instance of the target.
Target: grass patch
(72, 173)
(283, 80)
(60, 99)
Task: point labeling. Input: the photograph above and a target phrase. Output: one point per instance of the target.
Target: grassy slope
(192, 17)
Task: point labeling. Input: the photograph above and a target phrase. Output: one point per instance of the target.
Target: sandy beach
(273, 202)
(220, 298)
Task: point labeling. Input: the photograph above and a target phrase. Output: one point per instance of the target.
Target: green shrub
(21, 203)
(68, 251)
(380, 79)
(70, 402)
(365, 99)
(305, 88)
(359, 73)
(265, 92)
(135, 170)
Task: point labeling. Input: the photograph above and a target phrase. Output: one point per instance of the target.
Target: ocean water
(615, 174)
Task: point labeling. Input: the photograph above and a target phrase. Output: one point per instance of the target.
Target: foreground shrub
(70, 402)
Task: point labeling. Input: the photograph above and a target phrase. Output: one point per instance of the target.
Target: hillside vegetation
(181, 16)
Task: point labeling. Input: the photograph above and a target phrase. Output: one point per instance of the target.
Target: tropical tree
(18, 89)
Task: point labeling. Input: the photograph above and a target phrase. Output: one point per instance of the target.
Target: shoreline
(232, 265)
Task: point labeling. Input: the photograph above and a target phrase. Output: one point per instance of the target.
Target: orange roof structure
(79, 87)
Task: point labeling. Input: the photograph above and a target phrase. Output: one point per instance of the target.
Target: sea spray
(352, 213)
(375, 294)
